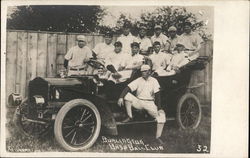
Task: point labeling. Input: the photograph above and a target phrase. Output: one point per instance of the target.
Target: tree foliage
(56, 18)
(166, 17)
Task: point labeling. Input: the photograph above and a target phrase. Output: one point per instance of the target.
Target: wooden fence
(30, 54)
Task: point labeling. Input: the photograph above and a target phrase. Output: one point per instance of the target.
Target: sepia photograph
(109, 78)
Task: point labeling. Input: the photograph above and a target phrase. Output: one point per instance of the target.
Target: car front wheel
(77, 125)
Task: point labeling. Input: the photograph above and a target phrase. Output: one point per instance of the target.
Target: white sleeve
(149, 43)
(165, 38)
(133, 85)
(88, 53)
(198, 41)
(168, 58)
(69, 54)
(156, 86)
(97, 49)
(118, 39)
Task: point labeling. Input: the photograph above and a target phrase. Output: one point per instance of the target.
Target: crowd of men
(159, 55)
(165, 54)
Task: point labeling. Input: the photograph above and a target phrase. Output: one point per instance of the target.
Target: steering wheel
(96, 64)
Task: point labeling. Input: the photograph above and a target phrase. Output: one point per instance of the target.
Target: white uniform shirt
(134, 61)
(144, 43)
(179, 59)
(160, 60)
(161, 38)
(77, 56)
(118, 60)
(172, 43)
(191, 41)
(126, 42)
(145, 89)
(102, 50)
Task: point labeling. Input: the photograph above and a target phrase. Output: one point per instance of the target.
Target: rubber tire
(59, 119)
(17, 122)
(179, 106)
(17, 119)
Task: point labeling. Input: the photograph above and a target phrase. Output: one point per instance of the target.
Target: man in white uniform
(136, 60)
(160, 59)
(126, 38)
(102, 50)
(159, 36)
(147, 97)
(179, 59)
(77, 56)
(143, 40)
(116, 61)
(191, 40)
(172, 40)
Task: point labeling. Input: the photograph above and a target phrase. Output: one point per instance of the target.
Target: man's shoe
(128, 119)
(159, 141)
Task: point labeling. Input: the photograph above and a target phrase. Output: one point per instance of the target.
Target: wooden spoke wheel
(77, 125)
(188, 111)
(29, 127)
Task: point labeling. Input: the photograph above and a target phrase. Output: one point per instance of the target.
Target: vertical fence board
(71, 41)
(90, 41)
(61, 51)
(208, 90)
(22, 41)
(31, 57)
(11, 55)
(41, 55)
(98, 39)
(51, 55)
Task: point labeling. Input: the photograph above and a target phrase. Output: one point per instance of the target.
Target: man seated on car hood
(147, 98)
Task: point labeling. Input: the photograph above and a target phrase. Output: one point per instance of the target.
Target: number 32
(201, 148)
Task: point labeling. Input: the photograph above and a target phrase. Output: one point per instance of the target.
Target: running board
(141, 122)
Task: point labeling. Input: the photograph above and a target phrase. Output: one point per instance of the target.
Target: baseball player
(143, 40)
(126, 38)
(102, 50)
(77, 56)
(160, 59)
(147, 97)
(159, 36)
(172, 40)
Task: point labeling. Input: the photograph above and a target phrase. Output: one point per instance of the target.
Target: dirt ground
(136, 138)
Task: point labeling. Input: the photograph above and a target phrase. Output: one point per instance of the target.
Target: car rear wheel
(26, 126)
(188, 112)
(77, 125)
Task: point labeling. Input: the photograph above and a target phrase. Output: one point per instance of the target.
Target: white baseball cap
(81, 38)
(145, 67)
(172, 28)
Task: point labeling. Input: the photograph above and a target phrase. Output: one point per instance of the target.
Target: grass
(176, 140)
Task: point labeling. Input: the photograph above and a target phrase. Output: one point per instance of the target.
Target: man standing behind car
(159, 36)
(147, 97)
(143, 40)
(172, 40)
(77, 56)
(191, 41)
(102, 50)
(126, 38)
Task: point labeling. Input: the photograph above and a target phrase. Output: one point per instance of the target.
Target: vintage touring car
(77, 108)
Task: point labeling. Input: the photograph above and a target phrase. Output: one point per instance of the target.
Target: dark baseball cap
(135, 44)
(108, 34)
(118, 44)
